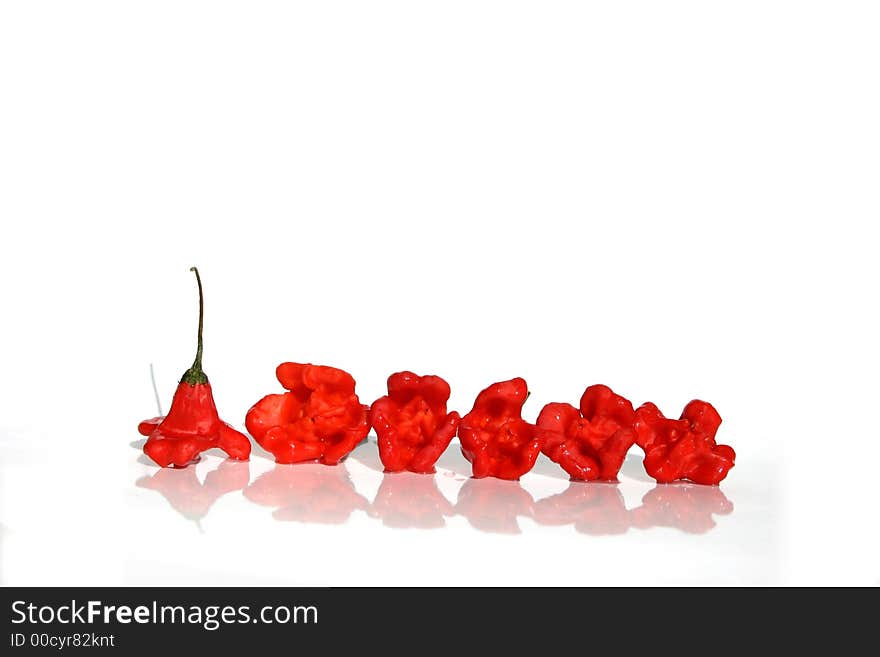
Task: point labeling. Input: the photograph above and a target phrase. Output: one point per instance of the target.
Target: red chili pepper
(495, 438)
(683, 448)
(192, 424)
(411, 422)
(320, 419)
(590, 443)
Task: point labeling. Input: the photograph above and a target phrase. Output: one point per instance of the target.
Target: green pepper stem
(194, 375)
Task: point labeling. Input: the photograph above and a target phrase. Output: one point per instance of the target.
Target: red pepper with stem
(192, 424)
(495, 438)
(590, 442)
(683, 448)
(411, 422)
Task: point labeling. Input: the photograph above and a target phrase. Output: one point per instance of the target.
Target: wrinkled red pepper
(495, 438)
(590, 443)
(192, 424)
(411, 422)
(683, 448)
(320, 419)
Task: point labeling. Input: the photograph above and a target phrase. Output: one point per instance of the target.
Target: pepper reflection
(307, 492)
(189, 497)
(684, 506)
(494, 505)
(405, 499)
(595, 508)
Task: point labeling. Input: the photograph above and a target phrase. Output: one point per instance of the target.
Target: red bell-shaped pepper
(192, 424)
(320, 419)
(683, 448)
(411, 422)
(495, 438)
(590, 443)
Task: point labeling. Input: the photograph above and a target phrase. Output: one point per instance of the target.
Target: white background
(676, 199)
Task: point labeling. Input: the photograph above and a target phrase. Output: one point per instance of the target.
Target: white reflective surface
(263, 523)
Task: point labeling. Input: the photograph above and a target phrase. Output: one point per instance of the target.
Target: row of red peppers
(320, 418)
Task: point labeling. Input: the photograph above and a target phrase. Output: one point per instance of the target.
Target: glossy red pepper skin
(411, 422)
(589, 443)
(495, 438)
(191, 427)
(683, 448)
(192, 424)
(319, 419)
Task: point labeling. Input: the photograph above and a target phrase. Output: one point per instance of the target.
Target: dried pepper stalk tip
(192, 424)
